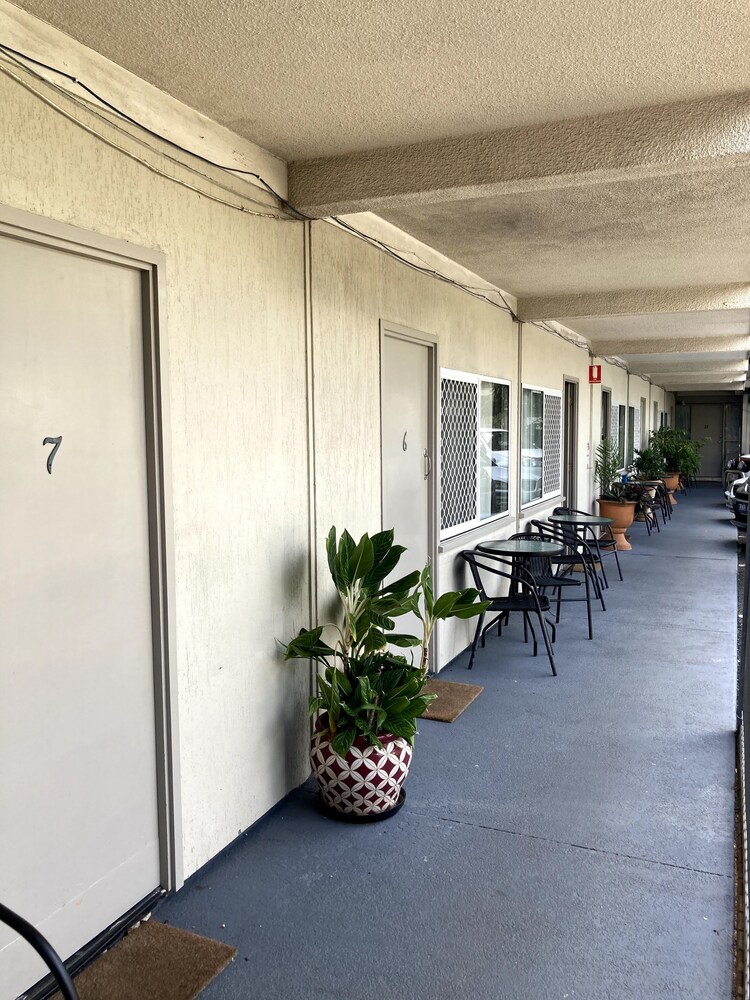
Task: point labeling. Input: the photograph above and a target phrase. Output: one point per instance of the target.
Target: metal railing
(743, 755)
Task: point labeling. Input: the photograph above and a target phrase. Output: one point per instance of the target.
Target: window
(606, 413)
(621, 431)
(541, 444)
(630, 454)
(474, 450)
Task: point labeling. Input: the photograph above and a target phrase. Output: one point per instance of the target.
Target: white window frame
(472, 377)
(545, 391)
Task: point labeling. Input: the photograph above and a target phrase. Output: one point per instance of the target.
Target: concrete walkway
(566, 837)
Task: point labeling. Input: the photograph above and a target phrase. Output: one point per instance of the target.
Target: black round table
(582, 520)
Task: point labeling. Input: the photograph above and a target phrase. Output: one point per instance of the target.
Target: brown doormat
(154, 962)
(452, 699)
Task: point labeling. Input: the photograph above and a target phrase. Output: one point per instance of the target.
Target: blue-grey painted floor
(566, 837)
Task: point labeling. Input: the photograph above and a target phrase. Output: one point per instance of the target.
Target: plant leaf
(402, 639)
(342, 741)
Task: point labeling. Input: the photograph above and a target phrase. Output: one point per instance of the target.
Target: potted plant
(369, 697)
(648, 464)
(648, 469)
(615, 499)
(681, 455)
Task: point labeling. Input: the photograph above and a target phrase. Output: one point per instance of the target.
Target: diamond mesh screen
(614, 423)
(552, 443)
(636, 429)
(458, 452)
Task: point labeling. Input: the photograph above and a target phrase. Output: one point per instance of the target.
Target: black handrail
(41, 945)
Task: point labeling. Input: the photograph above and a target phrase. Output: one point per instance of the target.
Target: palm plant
(608, 469)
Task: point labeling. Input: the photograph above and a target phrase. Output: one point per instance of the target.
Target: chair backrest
(500, 566)
(566, 535)
(537, 565)
(43, 948)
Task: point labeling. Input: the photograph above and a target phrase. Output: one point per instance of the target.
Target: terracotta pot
(367, 782)
(672, 482)
(622, 515)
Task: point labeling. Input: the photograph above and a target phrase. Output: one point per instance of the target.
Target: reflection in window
(494, 410)
(532, 445)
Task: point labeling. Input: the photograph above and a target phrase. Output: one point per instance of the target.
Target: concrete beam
(645, 142)
(666, 368)
(698, 378)
(706, 387)
(636, 302)
(683, 345)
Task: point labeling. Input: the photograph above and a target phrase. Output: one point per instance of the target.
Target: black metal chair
(578, 555)
(523, 596)
(604, 544)
(665, 504)
(545, 578)
(44, 949)
(649, 505)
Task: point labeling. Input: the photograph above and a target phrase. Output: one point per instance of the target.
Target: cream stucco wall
(354, 287)
(253, 322)
(234, 320)
(548, 361)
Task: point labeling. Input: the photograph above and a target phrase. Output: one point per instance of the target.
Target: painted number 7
(56, 441)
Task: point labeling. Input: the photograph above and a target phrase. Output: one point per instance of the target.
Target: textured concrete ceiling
(313, 79)
(670, 231)
(591, 158)
(686, 351)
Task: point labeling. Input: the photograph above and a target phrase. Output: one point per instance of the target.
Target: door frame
(39, 230)
(398, 332)
(568, 380)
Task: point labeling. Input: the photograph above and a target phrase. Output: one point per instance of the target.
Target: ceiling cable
(134, 156)
(21, 59)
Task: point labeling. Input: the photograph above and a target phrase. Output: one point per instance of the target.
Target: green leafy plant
(364, 687)
(680, 453)
(649, 463)
(608, 473)
(608, 470)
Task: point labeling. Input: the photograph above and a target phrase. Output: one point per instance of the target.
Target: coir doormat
(452, 699)
(154, 962)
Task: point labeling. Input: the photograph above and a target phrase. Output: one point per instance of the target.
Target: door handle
(427, 464)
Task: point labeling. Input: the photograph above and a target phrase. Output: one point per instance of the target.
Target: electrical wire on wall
(493, 296)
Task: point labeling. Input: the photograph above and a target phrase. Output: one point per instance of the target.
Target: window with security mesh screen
(614, 423)
(458, 452)
(621, 432)
(474, 449)
(606, 420)
(552, 443)
(635, 436)
(629, 453)
(541, 444)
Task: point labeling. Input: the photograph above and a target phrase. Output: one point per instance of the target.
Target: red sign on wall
(595, 374)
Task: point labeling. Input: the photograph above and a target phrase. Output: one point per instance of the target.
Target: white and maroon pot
(366, 784)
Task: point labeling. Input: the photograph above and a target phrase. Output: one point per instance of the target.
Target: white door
(407, 459)
(706, 424)
(78, 799)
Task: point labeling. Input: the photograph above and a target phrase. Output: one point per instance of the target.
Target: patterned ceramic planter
(367, 782)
